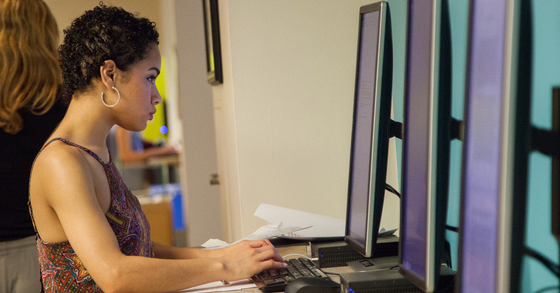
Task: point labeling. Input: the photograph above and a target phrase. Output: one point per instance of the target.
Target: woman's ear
(108, 71)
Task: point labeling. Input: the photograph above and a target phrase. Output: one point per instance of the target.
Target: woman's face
(139, 94)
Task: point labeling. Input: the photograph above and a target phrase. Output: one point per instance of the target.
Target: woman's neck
(86, 124)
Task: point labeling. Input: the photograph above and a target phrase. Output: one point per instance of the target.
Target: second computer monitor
(426, 143)
(370, 137)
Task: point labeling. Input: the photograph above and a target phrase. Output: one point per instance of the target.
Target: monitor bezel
(380, 137)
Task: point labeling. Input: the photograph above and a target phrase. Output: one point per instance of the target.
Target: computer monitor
(495, 148)
(426, 143)
(370, 131)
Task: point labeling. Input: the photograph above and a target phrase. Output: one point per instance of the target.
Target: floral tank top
(61, 268)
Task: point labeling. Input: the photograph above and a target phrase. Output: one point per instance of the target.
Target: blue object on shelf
(174, 191)
(176, 196)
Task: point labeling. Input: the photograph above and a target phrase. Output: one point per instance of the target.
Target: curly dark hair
(104, 33)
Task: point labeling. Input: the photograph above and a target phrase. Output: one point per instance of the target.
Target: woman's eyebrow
(156, 69)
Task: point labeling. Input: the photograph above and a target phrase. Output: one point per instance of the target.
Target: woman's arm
(170, 252)
(66, 194)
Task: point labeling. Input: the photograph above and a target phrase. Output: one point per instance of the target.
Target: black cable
(395, 192)
(452, 228)
(392, 190)
(450, 288)
(547, 289)
(545, 141)
(457, 129)
(395, 129)
(552, 267)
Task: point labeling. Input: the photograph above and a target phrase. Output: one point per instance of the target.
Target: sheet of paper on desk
(221, 287)
(272, 230)
(263, 232)
(214, 243)
(319, 226)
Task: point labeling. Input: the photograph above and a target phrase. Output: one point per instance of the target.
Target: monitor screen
(426, 143)
(481, 149)
(368, 162)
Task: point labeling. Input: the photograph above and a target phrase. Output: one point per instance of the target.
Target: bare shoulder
(57, 158)
(59, 166)
(60, 184)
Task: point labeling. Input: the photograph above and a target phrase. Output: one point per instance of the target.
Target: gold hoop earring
(118, 100)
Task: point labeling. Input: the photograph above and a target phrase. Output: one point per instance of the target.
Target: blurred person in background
(30, 110)
(132, 148)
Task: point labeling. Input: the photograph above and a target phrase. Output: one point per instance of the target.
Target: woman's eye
(151, 78)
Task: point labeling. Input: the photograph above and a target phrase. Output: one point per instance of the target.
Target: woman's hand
(247, 258)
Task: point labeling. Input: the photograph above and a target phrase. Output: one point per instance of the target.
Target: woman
(30, 109)
(84, 215)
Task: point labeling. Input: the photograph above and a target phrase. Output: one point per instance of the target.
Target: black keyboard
(276, 279)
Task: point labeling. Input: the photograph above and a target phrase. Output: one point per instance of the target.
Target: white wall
(283, 114)
(194, 104)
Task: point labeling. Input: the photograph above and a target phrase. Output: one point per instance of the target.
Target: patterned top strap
(91, 153)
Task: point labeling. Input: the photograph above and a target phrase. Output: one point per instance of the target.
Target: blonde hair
(30, 75)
